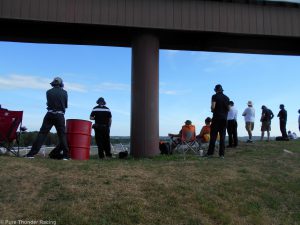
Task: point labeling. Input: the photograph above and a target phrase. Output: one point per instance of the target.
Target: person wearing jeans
(219, 108)
(57, 102)
(102, 116)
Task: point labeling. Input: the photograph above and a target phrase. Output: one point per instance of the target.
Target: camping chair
(10, 121)
(188, 140)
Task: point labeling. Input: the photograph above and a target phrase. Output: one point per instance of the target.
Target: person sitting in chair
(204, 135)
(176, 138)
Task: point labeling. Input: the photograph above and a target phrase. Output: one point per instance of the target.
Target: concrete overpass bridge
(268, 27)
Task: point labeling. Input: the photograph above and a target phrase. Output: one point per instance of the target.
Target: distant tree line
(27, 139)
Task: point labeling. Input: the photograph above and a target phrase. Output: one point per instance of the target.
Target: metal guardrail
(44, 151)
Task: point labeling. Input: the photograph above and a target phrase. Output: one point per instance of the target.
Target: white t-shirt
(232, 114)
(249, 114)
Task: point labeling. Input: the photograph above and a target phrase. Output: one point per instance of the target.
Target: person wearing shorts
(266, 117)
(249, 115)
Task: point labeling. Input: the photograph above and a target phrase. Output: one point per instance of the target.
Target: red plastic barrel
(79, 138)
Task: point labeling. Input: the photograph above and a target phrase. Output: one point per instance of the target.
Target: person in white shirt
(232, 126)
(249, 115)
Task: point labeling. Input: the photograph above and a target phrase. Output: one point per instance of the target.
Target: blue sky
(187, 80)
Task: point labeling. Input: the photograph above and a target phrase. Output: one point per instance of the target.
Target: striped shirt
(101, 114)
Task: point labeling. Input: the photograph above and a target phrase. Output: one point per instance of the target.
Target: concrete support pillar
(144, 131)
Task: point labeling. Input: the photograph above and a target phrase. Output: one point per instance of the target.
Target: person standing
(232, 126)
(282, 122)
(266, 117)
(57, 102)
(219, 108)
(249, 115)
(103, 118)
(299, 119)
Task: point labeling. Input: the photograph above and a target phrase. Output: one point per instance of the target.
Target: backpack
(165, 148)
(123, 155)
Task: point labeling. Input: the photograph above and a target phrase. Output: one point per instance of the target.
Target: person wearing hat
(282, 122)
(219, 108)
(57, 102)
(103, 118)
(249, 116)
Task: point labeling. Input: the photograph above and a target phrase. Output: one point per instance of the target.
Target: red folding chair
(10, 121)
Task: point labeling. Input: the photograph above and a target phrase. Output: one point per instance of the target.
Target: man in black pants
(102, 116)
(232, 126)
(282, 122)
(219, 108)
(57, 102)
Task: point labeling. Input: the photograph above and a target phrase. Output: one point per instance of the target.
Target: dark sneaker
(222, 157)
(59, 156)
(249, 141)
(66, 158)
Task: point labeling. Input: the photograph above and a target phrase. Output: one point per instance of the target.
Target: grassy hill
(256, 183)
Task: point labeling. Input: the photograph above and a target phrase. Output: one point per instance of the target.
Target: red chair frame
(10, 122)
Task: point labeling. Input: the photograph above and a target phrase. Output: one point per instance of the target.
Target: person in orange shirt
(176, 138)
(204, 135)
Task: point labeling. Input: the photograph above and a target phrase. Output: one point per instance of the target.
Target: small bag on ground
(165, 148)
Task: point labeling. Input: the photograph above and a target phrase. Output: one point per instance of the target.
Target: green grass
(256, 183)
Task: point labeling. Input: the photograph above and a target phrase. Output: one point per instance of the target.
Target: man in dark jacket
(219, 108)
(282, 121)
(57, 102)
(102, 116)
(266, 117)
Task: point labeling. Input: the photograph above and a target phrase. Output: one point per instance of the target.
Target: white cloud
(174, 92)
(209, 70)
(112, 86)
(168, 92)
(122, 112)
(228, 60)
(223, 59)
(163, 83)
(16, 81)
(21, 81)
(75, 87)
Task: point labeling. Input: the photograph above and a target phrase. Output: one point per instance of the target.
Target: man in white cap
(249, 115)
(57, 102)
